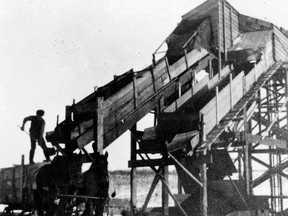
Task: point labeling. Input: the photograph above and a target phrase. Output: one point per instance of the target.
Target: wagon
(16, 186)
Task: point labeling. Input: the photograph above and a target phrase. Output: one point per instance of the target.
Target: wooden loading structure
(215, 129)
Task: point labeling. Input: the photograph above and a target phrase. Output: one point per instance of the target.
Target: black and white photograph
(144, 108)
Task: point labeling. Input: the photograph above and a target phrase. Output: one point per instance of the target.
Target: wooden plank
(180, 141)
(123, 105)
(209, 111)
(250, 113)
(237, 84)
(265, 141)
(224, 101)
(266, 175)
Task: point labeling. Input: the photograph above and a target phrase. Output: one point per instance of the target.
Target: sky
(55, 51)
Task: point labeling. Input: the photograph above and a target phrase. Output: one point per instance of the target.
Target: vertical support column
(210, 67)
(269, 117)
(186, 58)
(217, 105)
(168, 68)
(259, 113)
(219, 42)
(153, 79)
(224, 30)
(278, 181)
(239, 165)
(231, 90)
(99, 125)
(165, 194)
(68, 113)
(135, 90)
(203, 173)
(231, 25)
(247, 155)
(179, 90)
(286, 93)
(21, 179)
(255, 72)
(133, 173)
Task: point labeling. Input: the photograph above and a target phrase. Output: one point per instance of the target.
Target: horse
(96, 184)
(61, 176)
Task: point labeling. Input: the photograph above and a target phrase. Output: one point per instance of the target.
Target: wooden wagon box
(16, 184)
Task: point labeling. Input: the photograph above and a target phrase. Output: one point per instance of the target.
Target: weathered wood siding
(228, 24)
(240, 85)
(281, 45)
(224, 18)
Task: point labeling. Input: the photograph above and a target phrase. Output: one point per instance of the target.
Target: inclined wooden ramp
(108, 115)
(213, 135)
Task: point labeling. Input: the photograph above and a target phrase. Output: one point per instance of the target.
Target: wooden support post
(21, 179)
(179, 90)
(219, 43)
(168, 68)
(151, 190)
(265, 59)
(153, 79)
(224, 30)
(98, 125)
(210, 67)
(185, 170)
(165, 195)
(217, 105)
(240, 164)
(259, 113)
(244, 85)
(153, 59)
(186, 59)
(203, 173)
(247, 154)
(286, 92)
(57, 120)
(255, 72)
(133, 157)
(194, 81)
(231, 25)
(135, 91)
(231, 90)
(68, 113)
(179, 185)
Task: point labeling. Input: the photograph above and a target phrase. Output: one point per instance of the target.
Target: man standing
(36, 133)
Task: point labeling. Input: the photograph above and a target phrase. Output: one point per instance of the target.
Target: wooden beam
(265, 141)
(166, 187)
(99, 125)
(203, 173)
(21, 179)
(185, 170)
(133, 173)
(168, 68)
(165, 194)
(154, 162)
(135, 92)
(266, 175)
(219, 43)
(151, 190)
(217, 105)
